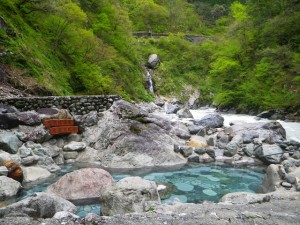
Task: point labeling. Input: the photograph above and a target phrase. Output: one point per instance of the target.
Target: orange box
(63, 130)
(58, 123)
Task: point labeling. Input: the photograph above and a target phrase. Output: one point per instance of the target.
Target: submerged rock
(165, 190)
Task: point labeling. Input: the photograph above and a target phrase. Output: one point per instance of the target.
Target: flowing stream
(292, 128)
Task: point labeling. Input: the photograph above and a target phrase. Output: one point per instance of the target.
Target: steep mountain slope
(249, 59)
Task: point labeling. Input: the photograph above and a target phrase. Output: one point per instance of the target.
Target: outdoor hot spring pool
(192, 184)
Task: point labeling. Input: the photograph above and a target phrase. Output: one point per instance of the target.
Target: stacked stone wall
(75, 104)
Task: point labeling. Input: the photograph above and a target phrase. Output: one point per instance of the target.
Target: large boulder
(129, 137)
(9, 187)
(38, 135)
(32, 153)
(34, 173)
(8, 120)
(40, 205)
(269, 132)
(82, 185)
(29, 118)
(234, 145)
(270, 154)
(130, 195)
(171, 108)
(271, 180)
(8, 109)
(153, 61)
(185, 113)
(197, 142)
(210, 121)
(195, 129)
(12, 120)
(87, 120)
(10, 143)
(6, 156)
(267, 114)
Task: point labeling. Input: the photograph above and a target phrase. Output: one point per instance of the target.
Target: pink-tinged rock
(82, 186)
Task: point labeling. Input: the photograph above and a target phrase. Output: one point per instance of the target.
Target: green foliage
(256, 66)
(87, 47)
(239, 11)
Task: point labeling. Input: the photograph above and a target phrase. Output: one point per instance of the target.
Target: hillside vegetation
(251, 60)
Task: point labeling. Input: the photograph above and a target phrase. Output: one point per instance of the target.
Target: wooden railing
(190, 37)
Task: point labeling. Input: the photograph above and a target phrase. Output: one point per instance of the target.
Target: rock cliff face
(129, 137)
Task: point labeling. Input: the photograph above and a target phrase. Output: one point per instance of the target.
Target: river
(292, 128)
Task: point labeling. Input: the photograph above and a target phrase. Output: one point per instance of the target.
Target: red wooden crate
(63, 130)
(58, 123)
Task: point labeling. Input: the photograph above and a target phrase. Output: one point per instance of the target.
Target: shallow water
(192, 184)
(195, 184)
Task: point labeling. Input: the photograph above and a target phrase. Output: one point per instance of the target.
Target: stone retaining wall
(76, 104)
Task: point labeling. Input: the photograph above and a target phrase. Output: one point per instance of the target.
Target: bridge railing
(190, 37)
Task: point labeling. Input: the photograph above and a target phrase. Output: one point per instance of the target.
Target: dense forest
(248, 60)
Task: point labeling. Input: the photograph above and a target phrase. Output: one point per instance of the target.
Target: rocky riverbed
(129, 136)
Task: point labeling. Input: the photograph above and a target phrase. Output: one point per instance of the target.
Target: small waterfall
(149, 81)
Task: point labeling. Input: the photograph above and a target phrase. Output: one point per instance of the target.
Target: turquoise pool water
(192, 184)
(206, 183)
